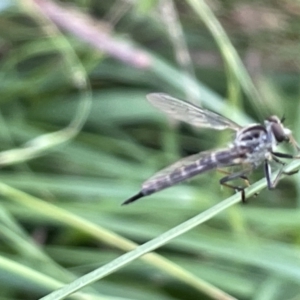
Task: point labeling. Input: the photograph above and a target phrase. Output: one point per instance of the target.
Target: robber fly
(253, 146)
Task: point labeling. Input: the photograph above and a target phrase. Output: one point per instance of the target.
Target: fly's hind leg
(224, 181)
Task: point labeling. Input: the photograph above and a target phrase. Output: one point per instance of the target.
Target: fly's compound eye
(280, 134)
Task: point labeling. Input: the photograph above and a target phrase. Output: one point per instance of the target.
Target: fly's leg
(224, 181)
(243, 176)
(283, 164)
(272, 185)
(267, 169)
(268, 172)
(294, 143)
(291, 173)
(284, 155)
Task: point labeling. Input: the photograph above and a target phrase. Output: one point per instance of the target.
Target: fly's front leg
(268, 172)
(284, 155)
(224, 181)
(283, 164)
(291, 173)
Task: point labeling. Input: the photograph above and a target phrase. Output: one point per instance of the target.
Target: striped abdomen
(189, 167)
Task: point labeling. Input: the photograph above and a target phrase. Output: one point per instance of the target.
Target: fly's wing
(184, 162)
(190, 113)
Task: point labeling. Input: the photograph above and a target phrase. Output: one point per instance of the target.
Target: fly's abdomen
(189, 167)
(171, 176)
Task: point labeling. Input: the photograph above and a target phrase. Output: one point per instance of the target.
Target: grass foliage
(78, 138)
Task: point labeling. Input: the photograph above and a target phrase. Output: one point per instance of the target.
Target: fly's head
(280, 134)
(275, 126)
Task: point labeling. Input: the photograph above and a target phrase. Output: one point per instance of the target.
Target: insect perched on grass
(253, 145)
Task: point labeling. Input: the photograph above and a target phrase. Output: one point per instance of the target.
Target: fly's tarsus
(224, 181)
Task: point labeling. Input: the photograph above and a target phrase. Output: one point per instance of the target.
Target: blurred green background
(66, 168)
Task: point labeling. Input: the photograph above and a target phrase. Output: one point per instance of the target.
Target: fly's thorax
(253, 137)
(255, 141)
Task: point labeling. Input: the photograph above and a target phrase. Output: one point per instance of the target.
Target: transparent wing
(185, 168)
(190, 113)
(181, 170)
